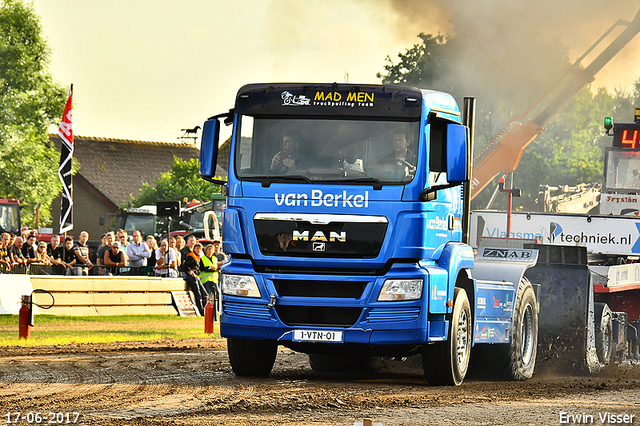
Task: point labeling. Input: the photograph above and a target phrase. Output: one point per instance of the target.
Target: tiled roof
(119, 167)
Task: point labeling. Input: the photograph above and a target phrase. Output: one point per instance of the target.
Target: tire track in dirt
(120, 385)
(143, 386)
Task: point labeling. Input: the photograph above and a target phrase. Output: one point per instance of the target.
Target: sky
(144, 70)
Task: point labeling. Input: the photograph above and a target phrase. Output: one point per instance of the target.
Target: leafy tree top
(183, 180)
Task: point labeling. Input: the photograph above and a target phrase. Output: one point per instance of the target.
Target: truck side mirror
(458, 167)
(209, 148)
(457, 154)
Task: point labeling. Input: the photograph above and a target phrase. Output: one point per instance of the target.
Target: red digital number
(630, 142)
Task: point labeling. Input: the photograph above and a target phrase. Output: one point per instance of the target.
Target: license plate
(332, 336)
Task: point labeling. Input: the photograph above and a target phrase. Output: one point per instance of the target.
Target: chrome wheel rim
(526, 333)
(462, 343)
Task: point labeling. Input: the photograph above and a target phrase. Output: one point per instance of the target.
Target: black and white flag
(64, 171)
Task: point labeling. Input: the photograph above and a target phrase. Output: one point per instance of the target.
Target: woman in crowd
(152, 244)
(41, 254)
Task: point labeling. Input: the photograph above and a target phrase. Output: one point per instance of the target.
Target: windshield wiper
(266, 180)
(376, 182)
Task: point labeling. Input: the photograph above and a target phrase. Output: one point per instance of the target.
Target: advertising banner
(599, 234)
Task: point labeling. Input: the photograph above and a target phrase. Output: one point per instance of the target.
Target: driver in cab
(288, 158)
(401, 154)
(401, 150)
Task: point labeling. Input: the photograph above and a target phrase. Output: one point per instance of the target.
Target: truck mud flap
(565, 343)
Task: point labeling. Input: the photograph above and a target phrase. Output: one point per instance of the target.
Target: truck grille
(318, 315)
(324, 236)
(301, 288)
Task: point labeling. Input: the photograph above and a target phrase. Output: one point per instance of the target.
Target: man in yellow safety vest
(209, 270)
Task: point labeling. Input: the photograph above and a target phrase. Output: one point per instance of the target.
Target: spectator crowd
(25, 254)
(172, 257)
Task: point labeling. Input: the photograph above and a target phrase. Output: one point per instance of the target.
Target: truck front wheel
(251, 357)
(446, 363)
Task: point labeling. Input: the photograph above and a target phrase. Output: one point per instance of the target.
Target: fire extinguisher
(24, 319)
(208, 317)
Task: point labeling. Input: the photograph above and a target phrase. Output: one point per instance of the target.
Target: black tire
(358, 364)
(604, 332)
(251, 358)
(446, 363)
(523, 349)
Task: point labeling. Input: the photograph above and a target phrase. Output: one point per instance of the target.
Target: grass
(65, 330)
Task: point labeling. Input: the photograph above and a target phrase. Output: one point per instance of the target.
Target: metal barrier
(42, 269)
(33, 269)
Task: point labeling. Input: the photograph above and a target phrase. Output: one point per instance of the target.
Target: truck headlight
(240, 285)
(401, 290)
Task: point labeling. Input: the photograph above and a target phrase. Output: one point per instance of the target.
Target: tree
(30, 102)
(423, 65)
(183, 180)
(571, 149)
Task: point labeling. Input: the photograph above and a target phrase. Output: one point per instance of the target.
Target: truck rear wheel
(251, 357)
(446, 363)
(521, 353)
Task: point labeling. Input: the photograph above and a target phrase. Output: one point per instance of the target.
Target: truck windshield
(146, 224)
(312, 150)
(623, 170)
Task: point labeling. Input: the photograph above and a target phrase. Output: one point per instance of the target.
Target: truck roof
(9, 201)
(344, 99)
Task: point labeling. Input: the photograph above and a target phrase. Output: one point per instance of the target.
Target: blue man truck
(346, 217)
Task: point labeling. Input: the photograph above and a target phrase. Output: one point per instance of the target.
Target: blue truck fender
(456, 257)
(498, 274)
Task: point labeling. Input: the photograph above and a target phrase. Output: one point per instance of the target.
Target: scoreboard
(626, 136)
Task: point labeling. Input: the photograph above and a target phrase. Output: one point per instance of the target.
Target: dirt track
(191, 383)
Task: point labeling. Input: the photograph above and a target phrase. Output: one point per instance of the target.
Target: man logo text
(320, 236)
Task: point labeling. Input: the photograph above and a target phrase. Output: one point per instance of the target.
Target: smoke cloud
(515, 39)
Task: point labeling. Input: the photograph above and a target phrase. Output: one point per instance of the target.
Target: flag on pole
(64, 171)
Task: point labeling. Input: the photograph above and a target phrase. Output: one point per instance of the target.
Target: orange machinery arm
(504, 151)
(504, 156)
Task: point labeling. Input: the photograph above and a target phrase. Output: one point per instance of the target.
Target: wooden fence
(121, 295)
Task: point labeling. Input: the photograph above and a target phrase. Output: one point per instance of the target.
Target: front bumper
(302, 305)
